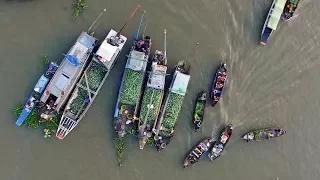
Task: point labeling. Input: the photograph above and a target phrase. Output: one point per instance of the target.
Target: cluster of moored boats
(144, 104)
(280, 9)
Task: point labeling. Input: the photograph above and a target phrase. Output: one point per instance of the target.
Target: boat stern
(263, 43)
(197, 125)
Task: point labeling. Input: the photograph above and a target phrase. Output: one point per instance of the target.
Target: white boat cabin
(157, 76)
(137, 61)
(180, 83)
(276, 14)
(110, 49)
(67, 74)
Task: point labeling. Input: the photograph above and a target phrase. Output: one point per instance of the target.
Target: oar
(104, 10)
(119, 33)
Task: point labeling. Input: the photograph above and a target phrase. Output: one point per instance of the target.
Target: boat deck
(67, 74)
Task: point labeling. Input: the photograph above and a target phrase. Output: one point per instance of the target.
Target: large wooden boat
(57, 92)
(272, 20)
(172, 104)
(131, 87)
(153, 95)
(91, 82)
(35, 95)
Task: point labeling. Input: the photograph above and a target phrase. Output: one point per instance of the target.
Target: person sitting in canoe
(270, 135)
(222, 78)
(219, 85)
(224, 137)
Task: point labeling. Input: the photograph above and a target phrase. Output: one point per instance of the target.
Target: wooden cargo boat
(91, 82)
(131, 87)
(153, 95)
(60, 87)
(263, 134)
(173, 102)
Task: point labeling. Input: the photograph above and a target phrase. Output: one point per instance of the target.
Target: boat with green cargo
(131, 87)
(91, 82)
(173, 102)
(153, 95)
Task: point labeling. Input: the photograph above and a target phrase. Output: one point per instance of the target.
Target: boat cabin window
(51, 99)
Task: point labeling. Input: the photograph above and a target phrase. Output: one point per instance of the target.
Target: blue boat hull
(36, 93)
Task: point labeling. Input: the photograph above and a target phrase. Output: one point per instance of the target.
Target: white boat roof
(108, 52)
(157, 76)
(276, 14)
(137, 60)
(180, 83)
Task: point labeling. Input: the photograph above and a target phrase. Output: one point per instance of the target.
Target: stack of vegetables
(172, 111)
(200, 110)
(95, 74)
(155, 101)
(131, 88)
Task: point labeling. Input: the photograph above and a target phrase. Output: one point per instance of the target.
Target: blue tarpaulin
(73, 60)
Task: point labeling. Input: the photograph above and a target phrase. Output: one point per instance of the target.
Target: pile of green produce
(119, 145)
(200, 109)
(33, 120)
(95, 75)
(156, 100)
(78, 7)
(131, 88)
(172, 112)
(77, 103)
(150, 142)
(44, 62)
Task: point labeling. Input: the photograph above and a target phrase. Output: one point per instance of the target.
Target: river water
(275, 85)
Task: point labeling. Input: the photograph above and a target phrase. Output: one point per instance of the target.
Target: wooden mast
(119, 33)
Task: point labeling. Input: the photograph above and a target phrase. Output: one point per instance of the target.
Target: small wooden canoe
(262, 134)
(201, 148)
(199, 110)
(289, 9)
(221, 143)
(218, 83)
